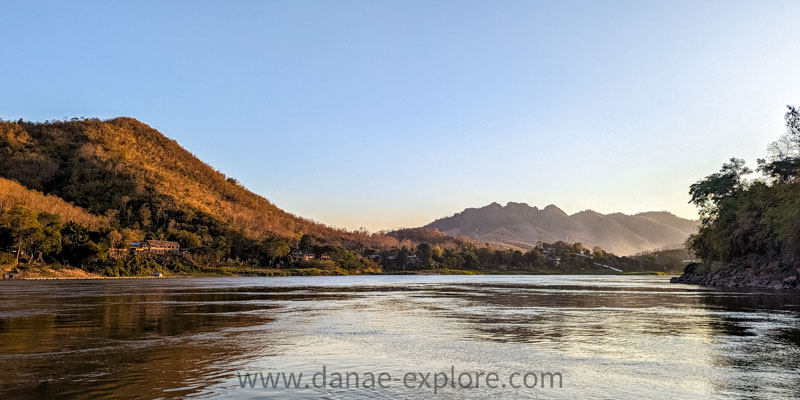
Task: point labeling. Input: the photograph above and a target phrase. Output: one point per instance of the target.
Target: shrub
(7, 260)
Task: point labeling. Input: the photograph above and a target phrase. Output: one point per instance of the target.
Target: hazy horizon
(382, 115)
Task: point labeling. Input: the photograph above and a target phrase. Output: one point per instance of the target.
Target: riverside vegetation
(750, 228)
(71, 191)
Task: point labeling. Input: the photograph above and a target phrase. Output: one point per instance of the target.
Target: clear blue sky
(393, 113)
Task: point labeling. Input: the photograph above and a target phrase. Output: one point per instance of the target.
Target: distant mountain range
(520, 225)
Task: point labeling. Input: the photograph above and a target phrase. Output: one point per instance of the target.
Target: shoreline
(190, 276)
(771, 275)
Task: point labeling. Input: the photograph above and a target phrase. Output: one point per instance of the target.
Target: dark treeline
(28, 237)
(747, 222)
(558, 257)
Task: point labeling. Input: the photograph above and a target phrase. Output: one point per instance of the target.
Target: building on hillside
(304, 255)
(324, 256)
(157, 247)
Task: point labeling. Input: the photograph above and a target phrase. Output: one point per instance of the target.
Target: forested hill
(137, 178)
(124, 169)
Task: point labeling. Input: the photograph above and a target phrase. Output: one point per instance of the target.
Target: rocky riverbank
(766, 276)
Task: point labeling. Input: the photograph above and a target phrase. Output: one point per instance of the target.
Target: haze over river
(624, 337)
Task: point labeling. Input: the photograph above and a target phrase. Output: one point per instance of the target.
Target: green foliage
(47, 239)
(783, 170)
(187, 240)
(30, 234)
(21, 227)
(425, 254)
(707, 193)
(757, 219)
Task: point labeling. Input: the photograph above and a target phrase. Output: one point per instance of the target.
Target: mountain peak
(516, 225)
(553, 209)
(587, 212)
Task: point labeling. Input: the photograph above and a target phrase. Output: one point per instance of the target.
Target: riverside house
(302, 255)
(157, 247)
(306, 255)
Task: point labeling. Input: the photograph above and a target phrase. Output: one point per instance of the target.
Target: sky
(385, 114)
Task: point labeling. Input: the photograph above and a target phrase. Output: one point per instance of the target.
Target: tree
(782, 170)
(129, 235)
(305, 242)
(145, 216)
(759, 220)
(47, 238)
(783, 162)
(22, 224)
(273, 249)
(425, 253)
(792, 118)
(77, 245)
(188, 240)
(114, 239)
(707, 193)
(436, 252)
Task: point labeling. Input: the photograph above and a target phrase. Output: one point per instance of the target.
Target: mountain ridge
(521, 225)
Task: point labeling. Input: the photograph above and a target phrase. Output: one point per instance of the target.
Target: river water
(562, 337)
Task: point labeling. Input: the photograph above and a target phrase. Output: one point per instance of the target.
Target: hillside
(77, 193)
(124, 169)
(12, 193)
(522, 226)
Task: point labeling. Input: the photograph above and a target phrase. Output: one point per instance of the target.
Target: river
(561, 337)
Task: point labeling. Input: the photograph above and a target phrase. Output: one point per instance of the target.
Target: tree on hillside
(47, 238)
(306, 242)
(436, 252)
(274, 249)
(425, 254)
(22, 225)
(115, 239)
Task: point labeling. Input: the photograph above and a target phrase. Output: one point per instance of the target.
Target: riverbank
(49, 272)
(38, 272)
(772, 275)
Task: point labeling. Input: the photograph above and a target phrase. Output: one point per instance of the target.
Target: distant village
(162, 247)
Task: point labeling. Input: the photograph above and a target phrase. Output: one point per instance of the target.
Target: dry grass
(12, 193)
